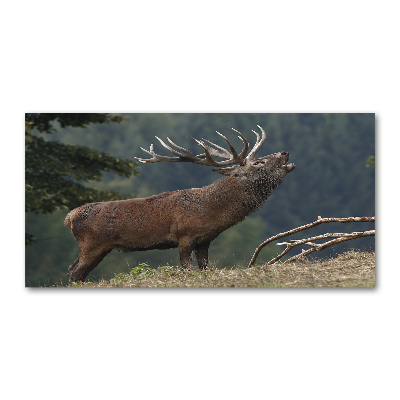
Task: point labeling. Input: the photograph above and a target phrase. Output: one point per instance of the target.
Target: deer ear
(225, 171)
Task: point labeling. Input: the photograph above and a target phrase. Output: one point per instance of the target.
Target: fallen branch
(340, 237)
(315, 247)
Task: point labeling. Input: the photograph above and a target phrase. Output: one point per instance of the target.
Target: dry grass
(349, 269)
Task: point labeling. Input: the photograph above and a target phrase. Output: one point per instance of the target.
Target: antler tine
(235, 155)
(223, 153)
(188, 153)
(209, 151)
(242, 154)
(173, 151)
(158, 158)
(258, 144)
(151, 152)
(155, 157)
(258, 136)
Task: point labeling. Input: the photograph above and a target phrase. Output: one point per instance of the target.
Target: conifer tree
(55, 173)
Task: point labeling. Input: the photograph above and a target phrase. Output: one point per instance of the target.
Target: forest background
(332, 179)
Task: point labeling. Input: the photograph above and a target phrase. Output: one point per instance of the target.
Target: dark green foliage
(55, 172)
(371, 162)
(44, 122)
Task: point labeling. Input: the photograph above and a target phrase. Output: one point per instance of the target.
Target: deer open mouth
(285, 166)
(288, 167)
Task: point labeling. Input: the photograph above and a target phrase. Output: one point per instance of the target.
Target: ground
(349, 269)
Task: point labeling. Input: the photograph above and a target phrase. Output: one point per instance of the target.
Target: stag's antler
(259, 143)
(210, 150)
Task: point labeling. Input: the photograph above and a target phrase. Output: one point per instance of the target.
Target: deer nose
(284, 153)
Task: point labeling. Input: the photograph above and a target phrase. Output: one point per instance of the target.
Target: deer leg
(85, 263)
(73, 266)
(185, 254)
(202, 255)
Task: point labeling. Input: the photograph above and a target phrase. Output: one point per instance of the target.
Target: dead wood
(338, 238)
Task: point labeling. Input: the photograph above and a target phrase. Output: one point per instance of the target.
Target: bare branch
(339, 237)
(305, 227)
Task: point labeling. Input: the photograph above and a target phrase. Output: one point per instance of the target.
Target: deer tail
(68, 221)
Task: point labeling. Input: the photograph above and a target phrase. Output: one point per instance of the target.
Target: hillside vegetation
(349, 269)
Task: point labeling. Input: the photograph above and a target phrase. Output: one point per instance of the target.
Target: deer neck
(237, 196)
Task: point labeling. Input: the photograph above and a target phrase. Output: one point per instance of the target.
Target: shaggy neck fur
(240, 196)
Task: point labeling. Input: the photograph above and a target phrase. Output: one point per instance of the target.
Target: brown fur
(187, 219)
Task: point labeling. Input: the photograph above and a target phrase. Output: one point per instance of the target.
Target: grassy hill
(349, 269)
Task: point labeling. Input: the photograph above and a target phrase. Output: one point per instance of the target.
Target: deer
(188, 219)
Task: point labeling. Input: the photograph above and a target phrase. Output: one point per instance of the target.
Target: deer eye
(256, 163)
